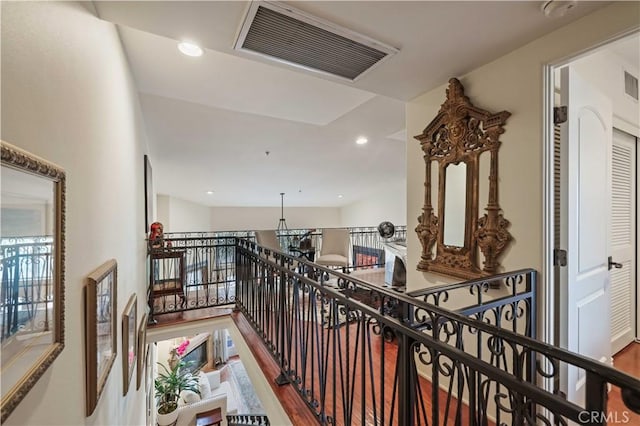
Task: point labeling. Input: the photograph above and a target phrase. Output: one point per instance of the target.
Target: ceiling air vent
(284, 34)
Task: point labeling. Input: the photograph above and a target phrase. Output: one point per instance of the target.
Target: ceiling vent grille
(287, 35)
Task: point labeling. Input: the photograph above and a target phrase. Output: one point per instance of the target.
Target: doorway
(592, 203)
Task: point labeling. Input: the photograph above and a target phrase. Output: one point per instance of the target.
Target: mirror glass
(455, 204)
(28, 259)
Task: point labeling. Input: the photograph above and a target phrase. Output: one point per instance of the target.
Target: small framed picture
(101, 330)
(142, 351)
(129, 341)
(148, 194)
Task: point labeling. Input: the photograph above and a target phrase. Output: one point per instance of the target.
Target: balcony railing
(366, 245)
(362, 354)
(505, 300)
(197, 269)
(26, 265)
(247, 420)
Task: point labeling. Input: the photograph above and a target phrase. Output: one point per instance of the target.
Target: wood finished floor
(297, 408)
(189, 316)
(627, 360)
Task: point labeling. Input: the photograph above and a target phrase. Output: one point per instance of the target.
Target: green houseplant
(168, 386)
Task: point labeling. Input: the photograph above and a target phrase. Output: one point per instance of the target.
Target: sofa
(213, 394)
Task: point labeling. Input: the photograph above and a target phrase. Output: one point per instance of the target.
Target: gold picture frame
(101, 332)
(453, 142)
(129, 341)
(32, 233)
(142, 350)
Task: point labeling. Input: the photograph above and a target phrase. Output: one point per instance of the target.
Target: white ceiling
(211, 119)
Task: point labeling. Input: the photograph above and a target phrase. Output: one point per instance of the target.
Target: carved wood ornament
(460, 133)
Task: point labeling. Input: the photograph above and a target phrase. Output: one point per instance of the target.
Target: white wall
(67, 96)
(184, 216)
(250, 218)
(389, 203)
(514, 83)
(605, 71)
(177, 215)
(163, 215)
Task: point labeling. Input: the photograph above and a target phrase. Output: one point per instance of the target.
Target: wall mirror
(32, 271)
(455, 204)
(452, 233)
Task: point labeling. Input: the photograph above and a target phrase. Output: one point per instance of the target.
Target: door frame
(547, 312)
(622, 126)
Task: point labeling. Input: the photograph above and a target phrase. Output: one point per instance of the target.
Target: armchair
(268, 239)
(213, 394)
(334, 250)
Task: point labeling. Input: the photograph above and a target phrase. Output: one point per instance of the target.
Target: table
(167, 276)
(307, 253)
(395, 263)
(209, 418)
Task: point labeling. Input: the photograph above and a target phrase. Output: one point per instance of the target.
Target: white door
(587, 140)
(623, 217)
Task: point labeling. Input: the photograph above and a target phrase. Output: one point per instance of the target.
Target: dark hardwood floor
(627, 360)
(299, 413)
(192, 315)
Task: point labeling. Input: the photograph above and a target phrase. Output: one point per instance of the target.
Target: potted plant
(168, 386)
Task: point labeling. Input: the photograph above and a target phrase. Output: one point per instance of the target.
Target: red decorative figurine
(156, 236)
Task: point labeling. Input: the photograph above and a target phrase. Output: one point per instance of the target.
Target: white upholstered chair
(334, 250)
(268, 239)
(213, 394)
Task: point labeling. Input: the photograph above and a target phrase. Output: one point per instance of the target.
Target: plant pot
(167, 419)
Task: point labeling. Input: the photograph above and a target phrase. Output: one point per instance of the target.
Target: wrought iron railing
(366, 245)
(192, 273)
(361, 354)
(247, 420)
(197, 269)
(505, 300)
(26, 266)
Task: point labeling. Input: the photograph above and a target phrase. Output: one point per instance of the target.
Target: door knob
(613, 264)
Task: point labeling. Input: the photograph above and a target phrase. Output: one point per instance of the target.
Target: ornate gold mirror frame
(458, 135)
(32, 262)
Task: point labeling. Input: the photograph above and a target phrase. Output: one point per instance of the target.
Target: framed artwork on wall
(100, 330)
(129, 341)
(149, 369)
(148, 194)
(142, 351)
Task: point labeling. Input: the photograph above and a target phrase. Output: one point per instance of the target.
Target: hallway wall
(179, 215)
(388, 203)
(514, 83)
(68, 97)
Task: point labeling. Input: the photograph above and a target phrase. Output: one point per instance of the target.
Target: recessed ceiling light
(190, 49)
(209, 192)
(340, 196)
(362, 140)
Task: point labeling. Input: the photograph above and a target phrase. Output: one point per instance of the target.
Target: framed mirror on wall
(32, 255)
(452, 233)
